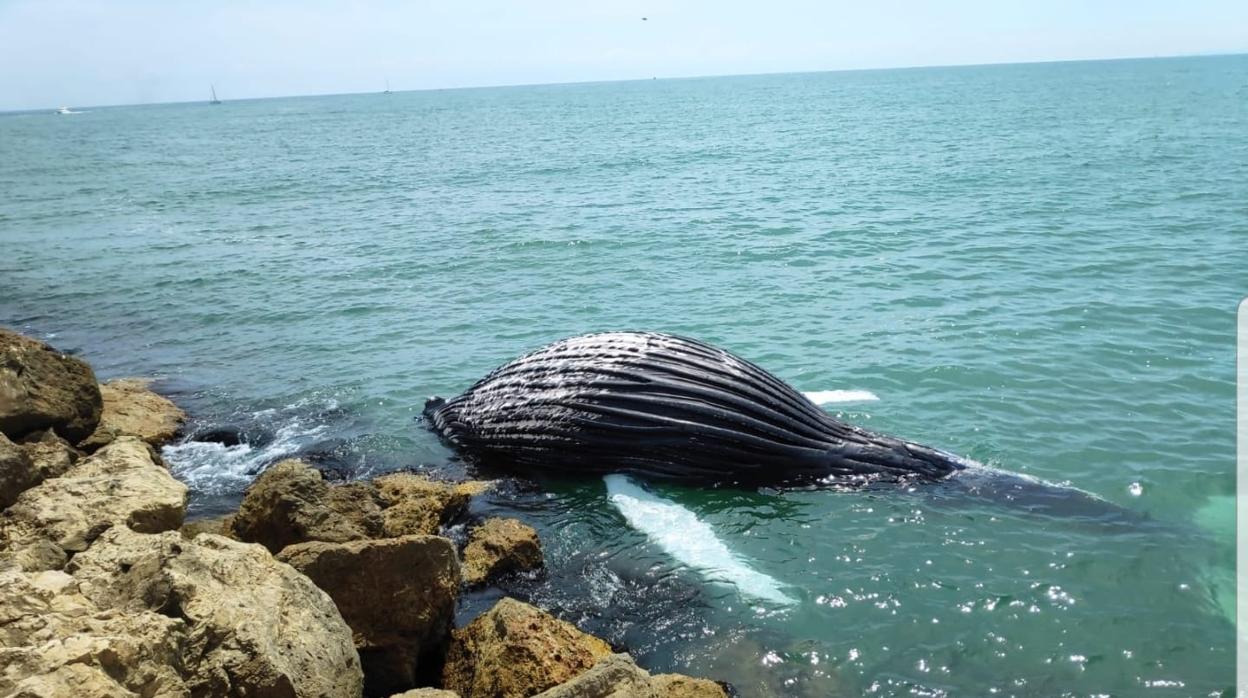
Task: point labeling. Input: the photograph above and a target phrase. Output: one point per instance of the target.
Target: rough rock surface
(290, 503)
(426, 693)
(219, 525)
(617, 676)
(42, 388)
(414, 504)
(397, 595)
(515, 650)
(500, 546)
(130, 408)
(18, 472)
(614, 676)
(51, 454)
(252, 625)
(681, 686)
(119, 485)
(55, 642)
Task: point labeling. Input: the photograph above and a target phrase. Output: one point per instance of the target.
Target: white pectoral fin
(691, 541)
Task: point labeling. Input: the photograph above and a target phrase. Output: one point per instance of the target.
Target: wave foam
(215, 468)
(679, 533)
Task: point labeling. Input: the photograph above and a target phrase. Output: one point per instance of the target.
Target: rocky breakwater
(309, 589)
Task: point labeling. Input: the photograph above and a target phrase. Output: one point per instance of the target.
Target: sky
(89, 53)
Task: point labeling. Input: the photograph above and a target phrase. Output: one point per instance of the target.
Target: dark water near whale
(1035, 266)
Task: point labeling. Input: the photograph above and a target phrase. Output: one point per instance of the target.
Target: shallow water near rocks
(1034, 266)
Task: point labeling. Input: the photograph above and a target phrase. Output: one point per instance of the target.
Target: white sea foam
(829, 397)
(679, 533)
(215, 468)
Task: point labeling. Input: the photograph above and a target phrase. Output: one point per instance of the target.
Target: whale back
(662, 406)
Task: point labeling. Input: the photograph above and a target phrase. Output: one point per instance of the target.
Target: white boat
(63, 110)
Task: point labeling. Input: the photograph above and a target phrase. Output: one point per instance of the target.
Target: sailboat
(214, 100)
(387, 87)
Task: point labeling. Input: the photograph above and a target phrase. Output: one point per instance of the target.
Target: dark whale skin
(665, 407)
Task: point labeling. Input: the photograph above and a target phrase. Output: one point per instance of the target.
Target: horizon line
(1217, 54)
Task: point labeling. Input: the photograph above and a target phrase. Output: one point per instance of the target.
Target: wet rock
(397, 595)
(290, 503)
(516, 650)
(51, 454)
(250, 625)
(119, 485)
(132, 409)
(218, 525)
(414, 504)
(41, 388)
(18, 472)
(55, 642)
(500, 546)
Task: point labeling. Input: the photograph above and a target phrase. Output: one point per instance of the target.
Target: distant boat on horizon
(214, 100)
(64, 110)
(387, 87)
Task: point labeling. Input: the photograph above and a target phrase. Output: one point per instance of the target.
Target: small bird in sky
(644, 18)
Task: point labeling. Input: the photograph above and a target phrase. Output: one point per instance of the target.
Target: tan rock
(500, 546)
(617, 676)
(55, 642)
(426, 693)
(119, 485)
(217, 525)
(414, 504)
(290, 503)
(41, 388)
(681, 686)
(253, 626)
(130, 408)
(17, 472)
(516, 650)
(614, 676)
(51, 454)
(397, 595)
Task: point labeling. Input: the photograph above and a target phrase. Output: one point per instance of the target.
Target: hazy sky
(90, 52)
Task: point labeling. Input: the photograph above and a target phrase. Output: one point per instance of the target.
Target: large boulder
(617, 676)
(515, 650)
(414, 504)
(397, 595)
(119, 485)
(130, 408)
(291, 503)
(251, 626)
(56, 642)
(500, 546)
(41, 388)
(18, 472)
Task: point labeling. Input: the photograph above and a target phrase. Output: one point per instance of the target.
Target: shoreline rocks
(309, 589)
(42, 388)
(515, 650)
(498, 547)
(131, 409)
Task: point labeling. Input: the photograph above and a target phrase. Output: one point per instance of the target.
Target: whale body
(666, 407)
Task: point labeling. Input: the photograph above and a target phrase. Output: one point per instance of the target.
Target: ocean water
(1035, 266)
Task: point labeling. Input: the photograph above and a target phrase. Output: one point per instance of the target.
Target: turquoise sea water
(1036, 266)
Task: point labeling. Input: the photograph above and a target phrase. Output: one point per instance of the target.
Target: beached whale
(662, 406)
